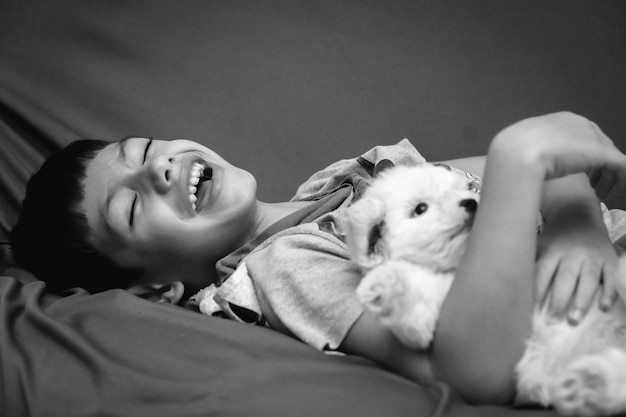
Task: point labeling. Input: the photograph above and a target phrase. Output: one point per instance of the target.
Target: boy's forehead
(99, 178)
(102, 167)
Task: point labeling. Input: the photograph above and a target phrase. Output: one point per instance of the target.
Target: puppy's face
(429, 213)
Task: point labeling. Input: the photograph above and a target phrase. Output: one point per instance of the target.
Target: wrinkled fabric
(113, 354)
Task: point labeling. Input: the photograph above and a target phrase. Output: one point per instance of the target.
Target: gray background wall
(285, 87)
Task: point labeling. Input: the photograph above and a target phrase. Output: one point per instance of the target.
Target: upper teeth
(194, 178)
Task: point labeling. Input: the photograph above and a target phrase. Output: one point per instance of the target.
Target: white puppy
(412, 222)
(408, 233)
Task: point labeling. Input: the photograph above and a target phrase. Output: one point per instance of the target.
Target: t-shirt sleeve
(327, 179)
(306, 286)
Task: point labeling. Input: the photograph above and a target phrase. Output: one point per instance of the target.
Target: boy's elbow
(486, 389)
(478, 380)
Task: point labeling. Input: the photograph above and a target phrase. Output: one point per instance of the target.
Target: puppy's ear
(375, 240)
(364, 230)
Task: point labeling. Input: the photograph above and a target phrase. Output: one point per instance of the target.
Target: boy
(165, 212)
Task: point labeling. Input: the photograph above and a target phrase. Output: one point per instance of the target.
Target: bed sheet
(115, 354)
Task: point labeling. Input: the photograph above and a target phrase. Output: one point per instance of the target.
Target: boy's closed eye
(131, 218)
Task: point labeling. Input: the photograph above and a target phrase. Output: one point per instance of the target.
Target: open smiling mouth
(198, 178)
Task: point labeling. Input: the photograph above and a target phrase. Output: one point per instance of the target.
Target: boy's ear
(169, 292)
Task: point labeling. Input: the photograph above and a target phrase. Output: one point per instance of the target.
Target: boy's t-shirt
(296, 277)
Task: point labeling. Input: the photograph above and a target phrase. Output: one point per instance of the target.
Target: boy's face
(139, 203)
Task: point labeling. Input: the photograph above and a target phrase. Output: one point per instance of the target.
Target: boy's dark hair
(51, 236)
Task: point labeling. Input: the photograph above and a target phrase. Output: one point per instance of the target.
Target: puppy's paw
(388, 292)
(582, 390)
(379, 290)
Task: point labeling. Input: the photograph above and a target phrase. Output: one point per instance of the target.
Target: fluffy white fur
(408, 233)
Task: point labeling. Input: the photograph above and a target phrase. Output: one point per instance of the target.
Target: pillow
(284, 88)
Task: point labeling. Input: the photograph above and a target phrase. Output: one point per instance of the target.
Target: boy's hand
(572, 266)
(574, 257)
(563, 143)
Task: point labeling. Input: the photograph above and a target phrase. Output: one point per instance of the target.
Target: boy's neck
(270, 213)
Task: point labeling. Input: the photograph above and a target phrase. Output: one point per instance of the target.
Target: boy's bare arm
(487, 314)
(472, 164)
(370, 339)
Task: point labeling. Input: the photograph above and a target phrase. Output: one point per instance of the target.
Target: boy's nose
(159, 171)
(470, 205)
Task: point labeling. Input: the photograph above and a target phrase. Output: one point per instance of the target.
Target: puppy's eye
(421, 208)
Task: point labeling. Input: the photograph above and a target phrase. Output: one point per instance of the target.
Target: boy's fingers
(620, 179)
(546, 270)
(603, 183)
(594, 177)
(608, 179)
(609, 289)
(587, 286)
(563, 290)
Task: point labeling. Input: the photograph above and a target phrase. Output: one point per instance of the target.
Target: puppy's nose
(470, 205)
